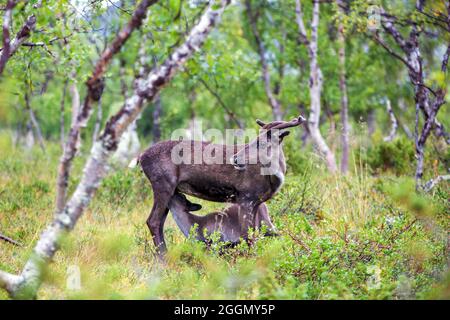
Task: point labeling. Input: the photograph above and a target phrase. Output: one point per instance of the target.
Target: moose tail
(134, 162)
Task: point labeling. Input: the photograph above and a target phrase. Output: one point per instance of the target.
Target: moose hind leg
(156, 219)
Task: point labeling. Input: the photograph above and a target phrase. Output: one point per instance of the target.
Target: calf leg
(180, 207)
(246, 216)
(262, 217)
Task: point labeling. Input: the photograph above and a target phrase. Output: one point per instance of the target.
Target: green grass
(355, 237)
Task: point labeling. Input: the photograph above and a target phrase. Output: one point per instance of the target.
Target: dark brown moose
(247, 178)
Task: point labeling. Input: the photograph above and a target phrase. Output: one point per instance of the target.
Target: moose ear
(284, 134)
(194, 207)
(301, 119)
(260, 123)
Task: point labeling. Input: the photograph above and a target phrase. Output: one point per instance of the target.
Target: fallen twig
(433, 182)
(7, 239)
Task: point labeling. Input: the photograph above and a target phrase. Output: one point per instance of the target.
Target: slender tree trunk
(62, 135)
(273, 101)
(371, 122)
(75, 102)
(63, 171)
(394, 123)
(305, 135)
(129, 144)
(414, 59)
(332, 130)
(34, 122)
(10, 46)
(98, 120)
(29, 136)
(344, 98)
(37, 128)
(315, 88)
(157, 109)
(315, 82)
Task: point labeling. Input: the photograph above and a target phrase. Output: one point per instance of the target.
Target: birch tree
(428, 101)
(394, 123)
(315, 81)
(26, 284)
(253, 15)
(95, 85)
(343, 88)
(10, 46)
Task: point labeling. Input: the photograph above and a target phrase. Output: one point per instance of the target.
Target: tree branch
(273, 101)
(9, 281)
(6, 52)
(429, 185)
(445, 59)
(10, 46)
(7, 239)
(301, 25)
(220, 101)
(391, 51)
(389, 26)
(95, 85)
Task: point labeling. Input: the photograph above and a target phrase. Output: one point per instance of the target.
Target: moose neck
(277, 178)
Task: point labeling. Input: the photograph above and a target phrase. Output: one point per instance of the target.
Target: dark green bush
(124, 187)
(299, 159)
(395, 156)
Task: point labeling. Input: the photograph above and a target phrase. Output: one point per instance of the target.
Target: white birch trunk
(344, 97)
(394, 123)
(315, 87)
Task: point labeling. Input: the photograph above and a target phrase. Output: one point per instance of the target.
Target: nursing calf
(225, 223)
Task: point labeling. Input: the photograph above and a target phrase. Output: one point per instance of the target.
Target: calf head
(181, 203)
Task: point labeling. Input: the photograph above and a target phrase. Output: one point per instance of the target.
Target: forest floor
(353, 237)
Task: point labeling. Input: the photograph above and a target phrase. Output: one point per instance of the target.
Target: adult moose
(251, 176)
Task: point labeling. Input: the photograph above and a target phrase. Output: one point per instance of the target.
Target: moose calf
(226, 222)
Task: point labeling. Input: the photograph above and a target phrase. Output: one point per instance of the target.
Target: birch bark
(315, 83)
